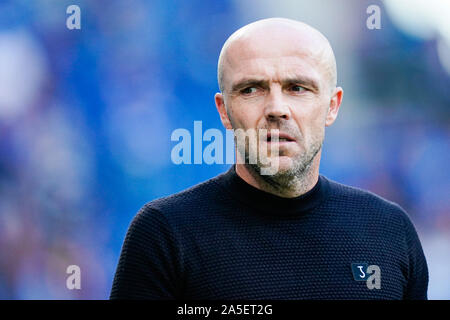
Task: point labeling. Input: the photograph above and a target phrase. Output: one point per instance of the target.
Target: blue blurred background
(86, 118)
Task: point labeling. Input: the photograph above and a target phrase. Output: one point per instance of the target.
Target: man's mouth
(282, 137)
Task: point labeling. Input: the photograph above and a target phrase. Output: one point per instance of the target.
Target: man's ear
(220, 105)
(335, 103)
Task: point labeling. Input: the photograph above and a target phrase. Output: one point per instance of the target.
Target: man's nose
(276, 106)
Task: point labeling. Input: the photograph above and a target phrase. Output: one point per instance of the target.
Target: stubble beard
(295, 177)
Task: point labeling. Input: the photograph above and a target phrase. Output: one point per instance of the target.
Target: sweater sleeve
(417, 285)
(149, 265)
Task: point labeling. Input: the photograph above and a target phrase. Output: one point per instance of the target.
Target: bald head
(274, 37)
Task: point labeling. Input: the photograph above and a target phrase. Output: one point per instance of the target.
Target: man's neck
(295, 187)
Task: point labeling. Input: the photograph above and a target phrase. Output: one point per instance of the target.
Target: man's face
(275, 83)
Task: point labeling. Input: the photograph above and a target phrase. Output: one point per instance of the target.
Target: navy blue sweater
(224, 239)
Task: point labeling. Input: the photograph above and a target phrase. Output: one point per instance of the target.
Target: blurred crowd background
(86, 118)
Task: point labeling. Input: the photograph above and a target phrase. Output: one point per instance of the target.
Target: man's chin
(281, 165)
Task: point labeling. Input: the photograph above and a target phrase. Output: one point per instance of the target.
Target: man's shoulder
(363, 200)
(192, 199)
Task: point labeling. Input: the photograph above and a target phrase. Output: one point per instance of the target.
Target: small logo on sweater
(371, 274)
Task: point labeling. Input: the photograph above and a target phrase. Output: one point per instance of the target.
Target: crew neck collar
(269, 203)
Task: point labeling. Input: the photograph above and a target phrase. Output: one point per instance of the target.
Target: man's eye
(248, 90)
(298, 88)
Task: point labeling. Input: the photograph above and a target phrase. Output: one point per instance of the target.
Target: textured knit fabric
(224, 239)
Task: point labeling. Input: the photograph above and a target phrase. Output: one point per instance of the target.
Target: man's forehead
(277, 40)
(254, 49)
(273, 64)
(273, 68)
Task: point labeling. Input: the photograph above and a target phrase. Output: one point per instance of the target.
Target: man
(293, 234)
